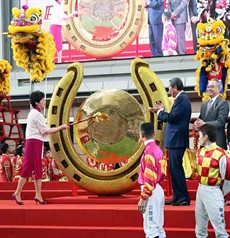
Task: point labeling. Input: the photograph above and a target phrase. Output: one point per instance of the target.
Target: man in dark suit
(214, 112)
(176, 139)
(155, 11)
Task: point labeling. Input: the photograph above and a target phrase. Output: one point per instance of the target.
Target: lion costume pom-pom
(5, 69)
(213, 55)
(33, 50)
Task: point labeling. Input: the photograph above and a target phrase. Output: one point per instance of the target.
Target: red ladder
(10, 129)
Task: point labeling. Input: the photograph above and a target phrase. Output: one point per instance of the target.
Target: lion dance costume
(214, 56)
(5, 69)
(33, 50)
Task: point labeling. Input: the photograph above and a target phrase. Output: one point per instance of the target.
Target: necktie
(208, 106)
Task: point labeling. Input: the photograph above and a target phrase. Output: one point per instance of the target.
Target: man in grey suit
(178, 8)
(192, 9)
(214, 112)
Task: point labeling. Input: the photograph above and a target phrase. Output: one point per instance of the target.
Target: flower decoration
(33, 49)
(213, 55)
(5, 69)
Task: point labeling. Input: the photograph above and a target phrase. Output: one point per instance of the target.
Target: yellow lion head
(27, 20)
(211, 34)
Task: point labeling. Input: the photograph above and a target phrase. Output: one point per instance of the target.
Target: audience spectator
(54, 172)
(17, 162)
(45, 169)
(100, 166)
(6, 167)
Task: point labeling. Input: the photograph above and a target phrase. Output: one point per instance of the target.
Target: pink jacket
(153, 168)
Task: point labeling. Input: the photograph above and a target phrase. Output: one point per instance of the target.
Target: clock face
(103, 28)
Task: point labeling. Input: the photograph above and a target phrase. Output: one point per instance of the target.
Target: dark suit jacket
(228, 132)
(176, 133)
(156, 8)
(217, 117)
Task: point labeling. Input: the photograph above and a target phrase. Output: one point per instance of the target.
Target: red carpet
(87, 215)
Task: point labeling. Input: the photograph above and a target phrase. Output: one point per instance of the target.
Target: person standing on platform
(193, 14)
(57, 20)
(176, 139)
(169, 43)
(214, 112)
(155, 10)
(179, 10)
(37, 132)
(152, 173)
(6, 167)
(18, 161)
(212, 170)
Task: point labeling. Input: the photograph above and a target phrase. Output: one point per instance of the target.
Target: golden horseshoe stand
(113, 182)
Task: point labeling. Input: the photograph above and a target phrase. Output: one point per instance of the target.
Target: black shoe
(16, 200)
(40, 202)
(181, 203)
(169, 202)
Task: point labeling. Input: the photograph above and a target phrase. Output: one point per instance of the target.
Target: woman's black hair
(36, 97)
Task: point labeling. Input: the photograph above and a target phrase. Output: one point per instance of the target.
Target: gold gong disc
(114, 140)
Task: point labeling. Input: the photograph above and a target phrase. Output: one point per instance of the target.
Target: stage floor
(87, 215)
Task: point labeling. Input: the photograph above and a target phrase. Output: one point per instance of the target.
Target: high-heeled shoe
(15, 199)
(40, 202)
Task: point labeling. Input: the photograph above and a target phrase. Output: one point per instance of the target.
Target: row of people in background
(105, 167)
(51, 171)
(11, 168)
(177, 16)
